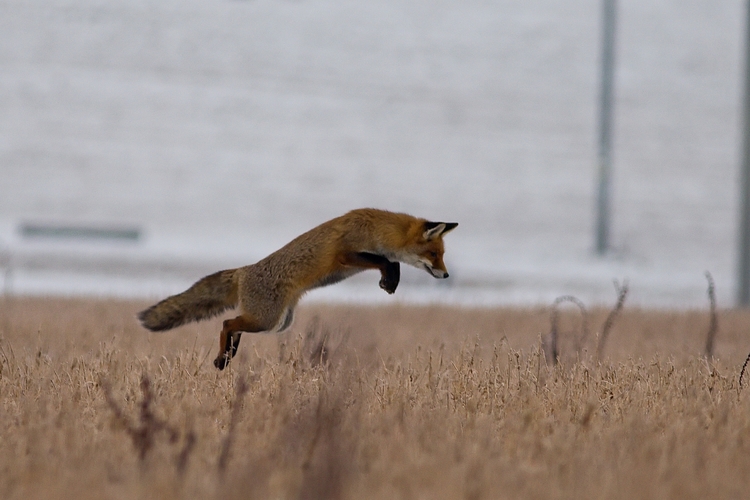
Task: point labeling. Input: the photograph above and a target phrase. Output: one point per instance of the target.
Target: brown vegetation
(382, 402)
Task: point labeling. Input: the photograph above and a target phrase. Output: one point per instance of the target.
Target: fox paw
(388, 285)
(222, 360)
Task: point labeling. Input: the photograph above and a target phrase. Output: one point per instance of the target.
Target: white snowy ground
(223, 128)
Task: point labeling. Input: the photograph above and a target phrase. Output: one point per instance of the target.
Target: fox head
(429, 250)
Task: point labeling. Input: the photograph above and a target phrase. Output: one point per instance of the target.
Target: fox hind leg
(227, 349)
(229, 338)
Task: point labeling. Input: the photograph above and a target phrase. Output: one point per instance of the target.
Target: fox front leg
(390, 272)
(390, 276)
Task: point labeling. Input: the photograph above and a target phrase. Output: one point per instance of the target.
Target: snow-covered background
(223, 128)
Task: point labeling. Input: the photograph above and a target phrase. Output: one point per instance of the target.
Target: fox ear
(436, 229)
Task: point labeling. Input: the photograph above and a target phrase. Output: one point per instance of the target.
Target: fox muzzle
(437, 273)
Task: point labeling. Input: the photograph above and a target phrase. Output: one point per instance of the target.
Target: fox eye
(432, 254)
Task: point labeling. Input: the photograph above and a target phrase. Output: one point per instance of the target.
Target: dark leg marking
(229, 339)
(390, 272)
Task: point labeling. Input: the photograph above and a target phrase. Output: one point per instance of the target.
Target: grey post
(605, 127)
(743, 286)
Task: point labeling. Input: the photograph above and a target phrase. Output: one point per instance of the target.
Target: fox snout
(439, 274)
(435, 272)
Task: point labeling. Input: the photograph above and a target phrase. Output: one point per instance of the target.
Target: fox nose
(446, 275)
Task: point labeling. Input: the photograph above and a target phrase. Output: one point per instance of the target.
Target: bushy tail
(207, 298)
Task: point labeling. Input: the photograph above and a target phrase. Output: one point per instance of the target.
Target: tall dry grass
(357, 402)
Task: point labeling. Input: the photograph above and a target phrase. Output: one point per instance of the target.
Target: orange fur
(268, 290)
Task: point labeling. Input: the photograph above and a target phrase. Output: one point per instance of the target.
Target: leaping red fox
(268, 290)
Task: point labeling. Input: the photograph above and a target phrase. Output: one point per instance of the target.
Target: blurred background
(146, 143)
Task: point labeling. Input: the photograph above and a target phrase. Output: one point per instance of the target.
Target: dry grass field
(383, 402)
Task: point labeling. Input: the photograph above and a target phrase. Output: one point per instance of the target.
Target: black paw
(390, 277)
(222, 361)
(388, 286)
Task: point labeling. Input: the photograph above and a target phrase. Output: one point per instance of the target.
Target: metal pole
(7, 265)
(605, 127)
(743, 289)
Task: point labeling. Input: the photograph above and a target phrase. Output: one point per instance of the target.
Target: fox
(268, 291)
